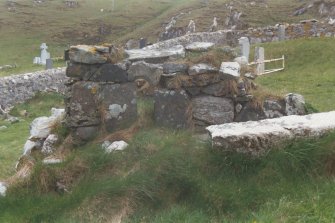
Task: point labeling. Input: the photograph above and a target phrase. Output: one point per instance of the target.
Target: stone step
(258, 137)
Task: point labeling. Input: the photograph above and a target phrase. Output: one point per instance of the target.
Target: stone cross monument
(44, 55)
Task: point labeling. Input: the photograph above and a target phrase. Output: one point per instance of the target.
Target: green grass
(170, 177)
(310, 70)
(13, 138)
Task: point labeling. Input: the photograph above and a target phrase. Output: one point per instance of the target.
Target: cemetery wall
(19, 88)
(304, 29)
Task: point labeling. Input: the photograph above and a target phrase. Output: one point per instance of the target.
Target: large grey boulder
(216, 89)
(199, 46)
(295, 104)
(258, 137)
(114, 146)
(250, 112)
(41, 127)
(88, 54)
(154, 55)
(143, 70)
(202, 69)
(97, 72)
(170, 68)
(274, 108)
(81, 71)
(172, 109)
(213, 110)
(110, 73)
(82, 108)
(119, 105)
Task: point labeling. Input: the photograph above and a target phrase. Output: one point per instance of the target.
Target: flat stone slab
(258, 137)
(151, 54)
(202, 68)
(199, 46)
(230, 70)
(88, 54)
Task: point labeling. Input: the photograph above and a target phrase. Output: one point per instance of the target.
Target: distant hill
(24, 24)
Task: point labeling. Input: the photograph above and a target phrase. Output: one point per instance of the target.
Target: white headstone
(244, 46)
(259, 57)
(44, 53)
(37, 60)
(281, 32)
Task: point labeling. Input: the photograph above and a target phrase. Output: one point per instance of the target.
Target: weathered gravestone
(281, 33)
(244, 47)
(259, 58)
(48, 64)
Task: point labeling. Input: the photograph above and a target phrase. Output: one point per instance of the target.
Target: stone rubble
(109, 147)
(41, 127)
(49, 145)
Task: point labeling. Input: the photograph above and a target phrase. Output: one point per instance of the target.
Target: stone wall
(100, 97)
(19, 88)
(304, 29)
(102, 94)
(307, 28)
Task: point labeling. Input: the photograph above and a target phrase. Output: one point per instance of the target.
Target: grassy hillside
(24, 28)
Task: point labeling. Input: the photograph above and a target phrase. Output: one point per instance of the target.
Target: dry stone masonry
(102, 94)
(19, 88)
(279, 32)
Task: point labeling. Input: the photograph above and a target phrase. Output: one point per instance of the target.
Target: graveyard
(167, 111)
